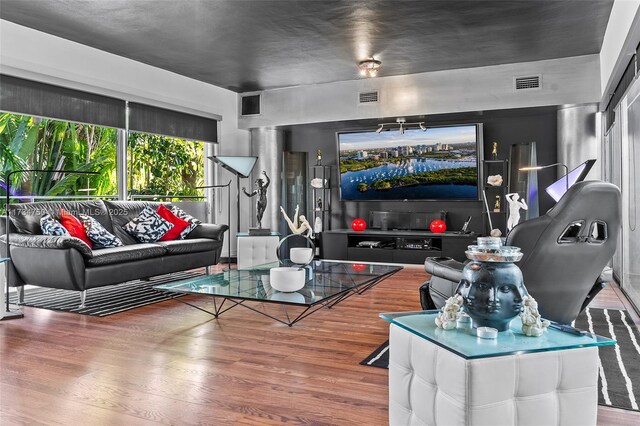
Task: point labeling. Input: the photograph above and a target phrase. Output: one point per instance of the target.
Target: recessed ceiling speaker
(250, 104)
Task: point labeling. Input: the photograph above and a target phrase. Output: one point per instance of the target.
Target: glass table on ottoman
(452, 377)
(327, 283)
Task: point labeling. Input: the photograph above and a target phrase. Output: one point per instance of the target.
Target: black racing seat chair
(565, 252)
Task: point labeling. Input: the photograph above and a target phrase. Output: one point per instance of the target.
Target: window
(28, 142)
(164, 166)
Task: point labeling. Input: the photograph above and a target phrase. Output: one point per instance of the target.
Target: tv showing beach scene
(440, 163)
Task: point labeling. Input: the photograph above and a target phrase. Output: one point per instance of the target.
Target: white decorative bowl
(301, 255)
(287, 279)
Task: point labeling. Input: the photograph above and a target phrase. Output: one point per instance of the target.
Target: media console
(394, 246)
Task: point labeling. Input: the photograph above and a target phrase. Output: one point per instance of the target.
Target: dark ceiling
(251, 45)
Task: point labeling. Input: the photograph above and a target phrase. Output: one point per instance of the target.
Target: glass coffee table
(327, 283)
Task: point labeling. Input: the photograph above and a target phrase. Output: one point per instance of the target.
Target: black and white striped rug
(103, 301)
(619, 366)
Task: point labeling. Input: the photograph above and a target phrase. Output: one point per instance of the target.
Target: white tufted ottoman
(256, 250)
(431, 384)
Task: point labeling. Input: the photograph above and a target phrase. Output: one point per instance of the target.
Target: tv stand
(394, 246)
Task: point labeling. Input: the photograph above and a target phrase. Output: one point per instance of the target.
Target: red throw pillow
(179, 225)
(74, 226)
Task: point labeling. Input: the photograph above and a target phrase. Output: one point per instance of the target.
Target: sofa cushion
(124, 254)
(193, 222)
(99, 236)
(75, 228)
(121, 212)
(26, 217)
(179, 225)
(190, 246)
(148, 226)
(51, 226)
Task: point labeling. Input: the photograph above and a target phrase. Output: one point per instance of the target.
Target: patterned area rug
(103, 301)
(619, 369)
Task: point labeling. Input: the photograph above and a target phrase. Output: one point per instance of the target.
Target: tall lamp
(228, 186)
(7, 314)
(241, 166)
(566, 171)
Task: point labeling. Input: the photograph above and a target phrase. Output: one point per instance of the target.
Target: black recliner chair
(565, 252)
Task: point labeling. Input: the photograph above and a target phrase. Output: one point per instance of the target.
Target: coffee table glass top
(324, 280)
(464, 342)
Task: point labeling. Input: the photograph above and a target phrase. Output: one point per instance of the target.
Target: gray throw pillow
(99, 236)
(51, 226)
(193, 222)
(148, 226)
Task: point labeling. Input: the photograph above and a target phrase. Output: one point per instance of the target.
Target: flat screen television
(439, 163)
(558, 188)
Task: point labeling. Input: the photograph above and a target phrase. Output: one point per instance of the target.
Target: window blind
(29, 97)
(151, 119)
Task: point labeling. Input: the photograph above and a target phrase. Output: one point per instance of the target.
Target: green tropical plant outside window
(158, 165)
(161, 165)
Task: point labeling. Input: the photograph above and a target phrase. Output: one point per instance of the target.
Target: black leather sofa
(67, 263)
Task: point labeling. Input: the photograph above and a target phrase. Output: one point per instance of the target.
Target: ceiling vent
(527, 83)
(250, 104)
(367, 97)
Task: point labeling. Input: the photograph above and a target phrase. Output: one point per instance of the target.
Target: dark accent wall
(507, 127)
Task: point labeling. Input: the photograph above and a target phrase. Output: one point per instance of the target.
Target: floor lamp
(228, 186)
(566, 171)
(5, 310)
(241, 166)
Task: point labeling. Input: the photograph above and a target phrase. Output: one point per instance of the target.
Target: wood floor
(171, 364)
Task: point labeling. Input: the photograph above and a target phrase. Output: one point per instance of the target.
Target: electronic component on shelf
(370, 244)
(414, 243)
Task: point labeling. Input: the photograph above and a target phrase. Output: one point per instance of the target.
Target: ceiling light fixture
(369, 67)
(402, 124)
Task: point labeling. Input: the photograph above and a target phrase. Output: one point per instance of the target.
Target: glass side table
(6, 311)
(453, 377)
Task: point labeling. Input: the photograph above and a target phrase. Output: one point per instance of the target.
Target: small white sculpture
(298, 226)
(318, 183)
(515, 204)
(532, 324)
(496, 233)
(317, 225)
(448, 316)
(494, 180)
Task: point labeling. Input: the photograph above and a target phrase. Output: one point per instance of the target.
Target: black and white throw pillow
(193, 222)
(51, 226)
(148, 226)
(99, 236)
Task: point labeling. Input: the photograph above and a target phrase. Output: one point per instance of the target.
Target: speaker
(385, 220)
(250, 105)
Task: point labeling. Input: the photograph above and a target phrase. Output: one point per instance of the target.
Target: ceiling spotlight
(369, 67)
(402, 124)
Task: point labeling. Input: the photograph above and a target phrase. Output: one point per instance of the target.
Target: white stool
(256, 250)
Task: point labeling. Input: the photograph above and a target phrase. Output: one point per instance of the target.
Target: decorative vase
(438, 226)
(492, 285)
(358, 225)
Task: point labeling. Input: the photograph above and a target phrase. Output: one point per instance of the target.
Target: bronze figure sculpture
(261, 192)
